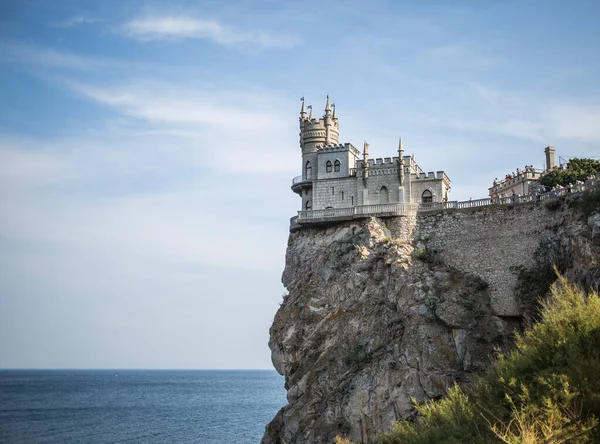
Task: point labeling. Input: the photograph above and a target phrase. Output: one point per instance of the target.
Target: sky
(147, 150)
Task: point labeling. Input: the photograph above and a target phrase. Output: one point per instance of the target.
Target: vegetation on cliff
(546, 390)
(577, 169)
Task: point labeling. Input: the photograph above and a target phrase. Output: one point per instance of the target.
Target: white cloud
(91, 209)
(76, 21)
(11, 52)
(224, 130)
(182, 27)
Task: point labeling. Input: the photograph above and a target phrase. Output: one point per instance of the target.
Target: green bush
(588, 203)
(577, 169)
(546, 391)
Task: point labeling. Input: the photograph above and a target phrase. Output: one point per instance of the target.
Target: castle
(337, 183)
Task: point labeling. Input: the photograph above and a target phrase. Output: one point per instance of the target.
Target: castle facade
(336, 175)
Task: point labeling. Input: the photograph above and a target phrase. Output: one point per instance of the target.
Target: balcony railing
(402, 209)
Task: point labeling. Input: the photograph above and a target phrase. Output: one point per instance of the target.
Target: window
(308, 205)
(308, 172)
(427, 196)
(384, 196)
(352, 200)
(336, 166)
(333, 191)
(328, 166)
(342, 195)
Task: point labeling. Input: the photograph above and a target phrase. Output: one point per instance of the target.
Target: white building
(335, 176)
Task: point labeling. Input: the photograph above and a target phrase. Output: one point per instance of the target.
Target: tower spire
(401, 162)
(334, 116)
(310, 116)
(327, 107)
(303, 109)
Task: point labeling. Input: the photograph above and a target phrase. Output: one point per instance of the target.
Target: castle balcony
(299, 184)
(357, 212)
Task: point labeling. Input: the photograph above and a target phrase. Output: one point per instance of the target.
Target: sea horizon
(156, 406)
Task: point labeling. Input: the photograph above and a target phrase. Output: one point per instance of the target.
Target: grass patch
(546, 391)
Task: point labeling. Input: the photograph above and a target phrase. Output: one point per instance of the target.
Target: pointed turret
(310, 115)
(401, 162)
(334, 116)
(327, 107)
(365, 162)
(302, 110)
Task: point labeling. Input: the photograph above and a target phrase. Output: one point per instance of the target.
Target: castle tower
(549, 151)
(317, 133)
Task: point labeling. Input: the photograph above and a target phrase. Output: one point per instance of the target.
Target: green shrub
(588, 203)
(577, 169)
(546, 391)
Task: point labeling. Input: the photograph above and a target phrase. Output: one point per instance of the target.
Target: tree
(577, 169)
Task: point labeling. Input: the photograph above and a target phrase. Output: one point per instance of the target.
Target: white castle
(337, 184)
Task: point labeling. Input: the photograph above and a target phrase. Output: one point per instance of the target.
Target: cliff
(380, 311)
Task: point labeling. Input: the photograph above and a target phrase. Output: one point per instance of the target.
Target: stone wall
(335, 193)
(496, 244)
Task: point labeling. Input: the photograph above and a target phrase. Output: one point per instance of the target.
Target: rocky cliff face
(380, 311)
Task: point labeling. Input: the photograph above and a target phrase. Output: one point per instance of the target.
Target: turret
(316, 133)
(401, 162)
(365, 162)
(302, 111)
(549, 152)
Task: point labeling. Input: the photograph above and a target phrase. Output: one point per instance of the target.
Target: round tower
(314, 133)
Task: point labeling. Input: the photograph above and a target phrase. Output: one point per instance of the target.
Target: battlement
(339, 147)
(379, 162)
(430, 176)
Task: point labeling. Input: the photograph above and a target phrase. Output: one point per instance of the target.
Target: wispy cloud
(13, 52)
(183, 27)
(525, 115)
(76, 21)
(162, 102)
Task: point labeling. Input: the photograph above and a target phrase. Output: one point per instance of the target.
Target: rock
(382, 311)
(594, 224)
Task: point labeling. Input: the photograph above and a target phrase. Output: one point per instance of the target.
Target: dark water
(127, 406)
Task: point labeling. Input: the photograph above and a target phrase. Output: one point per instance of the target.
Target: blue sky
(147, 150)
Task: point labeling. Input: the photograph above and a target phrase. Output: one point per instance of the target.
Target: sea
(138, 406)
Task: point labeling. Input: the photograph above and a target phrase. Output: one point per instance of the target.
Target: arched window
(328, 166)
(427, 196)
(336, 166)
(308, 170)
(308, 205)
(384, 196)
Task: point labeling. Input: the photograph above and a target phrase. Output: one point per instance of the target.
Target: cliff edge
(380, 311)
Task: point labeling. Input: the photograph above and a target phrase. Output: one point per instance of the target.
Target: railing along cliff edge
(403, 209)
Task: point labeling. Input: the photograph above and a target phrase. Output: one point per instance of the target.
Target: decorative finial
(401, 162)
(303, 109)
(366, 148)
(334, 117)
(310, 116)
(327, 107)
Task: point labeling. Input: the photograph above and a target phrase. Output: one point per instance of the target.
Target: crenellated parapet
(317, 133)
(337, 175)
